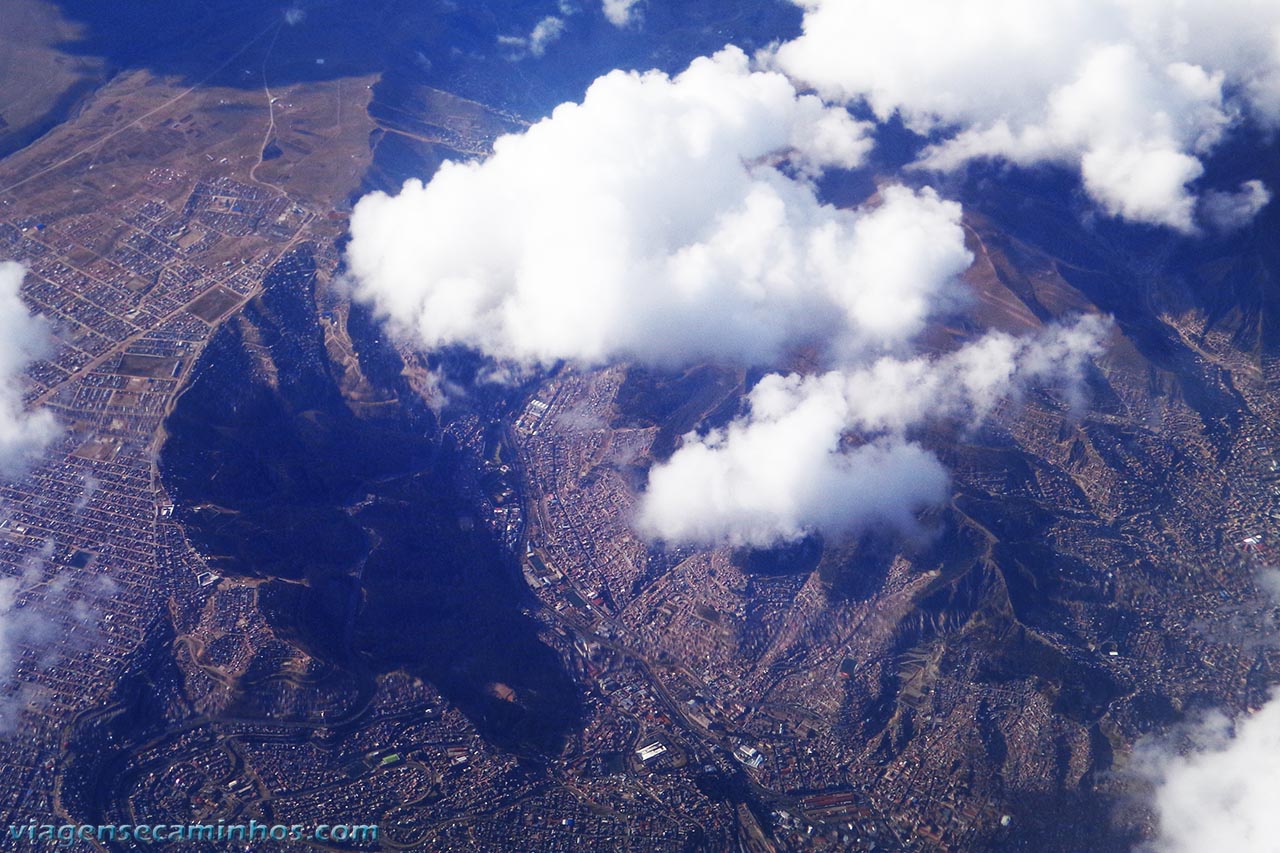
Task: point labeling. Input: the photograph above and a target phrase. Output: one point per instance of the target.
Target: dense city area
(1097, 570)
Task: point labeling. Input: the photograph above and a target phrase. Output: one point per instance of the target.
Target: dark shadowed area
(354, 522)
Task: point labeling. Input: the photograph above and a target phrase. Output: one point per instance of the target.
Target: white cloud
(23, 339)
(651, 222)
(1220, 793)
(1214, 781)
(791, 466)
(622, 13)
(1228, 211)
(543, 34)
(673, 220)
(19, 627)
(1133, 93)
(775, 481)
(44, 615)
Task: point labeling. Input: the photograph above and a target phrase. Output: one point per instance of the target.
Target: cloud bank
(1220, 794)
(654, 222)
(789, 466)
(23, 339)
(1132, 93)
(1214, 781)
(674, 220)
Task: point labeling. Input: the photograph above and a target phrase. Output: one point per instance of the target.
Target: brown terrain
(273, 579)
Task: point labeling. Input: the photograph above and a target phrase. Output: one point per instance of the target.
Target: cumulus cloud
(622, 13)
(1228, 211)
(1132, 93)
(776, 477)
(831, 452)
(543, 34)
(673, 220)
(23, 339)
(654, 221)
(1214, 780)
(1218, 793)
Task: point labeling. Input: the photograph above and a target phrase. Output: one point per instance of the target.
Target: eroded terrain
(276, 574)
